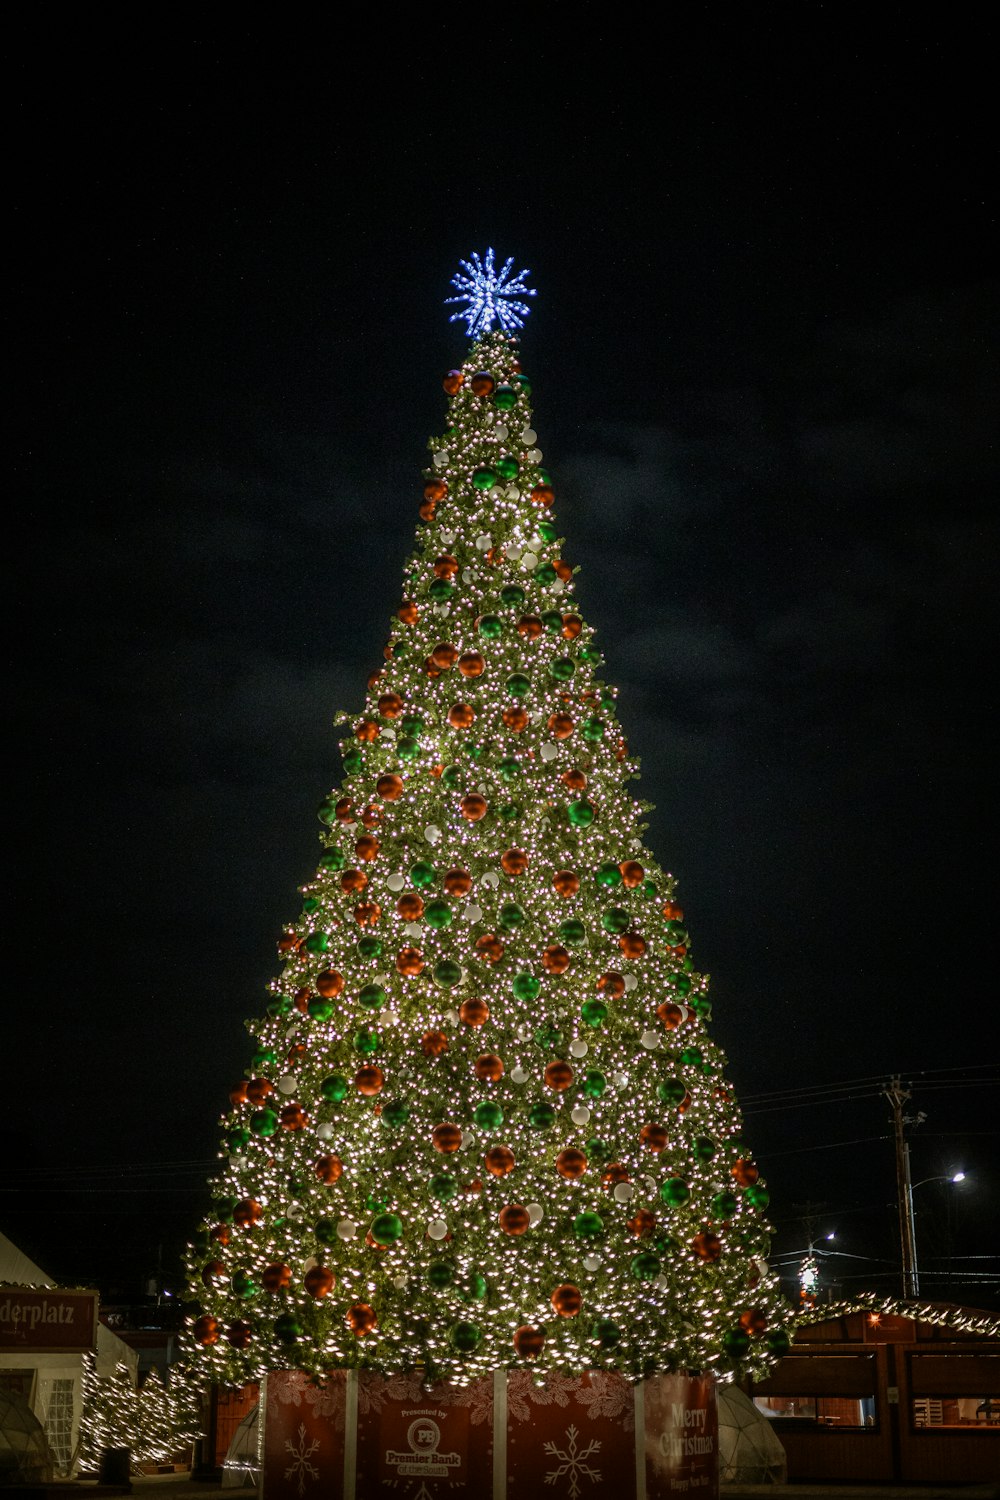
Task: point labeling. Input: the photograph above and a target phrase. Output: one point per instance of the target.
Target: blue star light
(489, 297)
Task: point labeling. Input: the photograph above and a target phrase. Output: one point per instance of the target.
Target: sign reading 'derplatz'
(47, 1320)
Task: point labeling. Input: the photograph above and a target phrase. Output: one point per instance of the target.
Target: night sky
(762, 240)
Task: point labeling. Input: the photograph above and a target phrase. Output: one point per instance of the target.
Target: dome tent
(24, 1450)
(241, 1469)
(749, 1450)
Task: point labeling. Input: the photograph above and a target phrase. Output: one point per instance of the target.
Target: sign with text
(681, 1423)
(47, 1320)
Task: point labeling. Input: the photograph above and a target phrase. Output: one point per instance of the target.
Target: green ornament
(512, 595)
(680, 984)
(735, 1342)
(224, 1208)
(504, 397)
(543, 476)
(778, 1343)
(553, 621)
(441, 590)
(262, 1060)
(545, 574)
(548, 1037)
(327, 811)
(411, 724)
(507, 467)
(320, 1008)
(590, 655)
(484, 479)
(592, 729)
(475, 1287)
(541, 1117)
(466, 1337)
(607, 698)
(547, 531)
(510, 768)
(581, 814)
(422, 874)
(264, 1122)
(452, 778)
(386, 1229)
(309, 905)
(488, 1116)
(400, 649)
(325, 1231)
(676, 934)
(238, 1140)
(691, 1057)
(372, 997)
(701, 1005)
(352, 760)
(443, 1186)
(526, 987)
(369, 947)
(594, 1012)
(649, 889)
(562, 668)
(703, 1148)
(518, 685)
(594, 1083)
(280, 1007)
(524, 383)
(724, 1205)
(440, 1274)
(366, 1041)
(605, 1333)
(572, 930)
(490, 627)
(287, 1328)
(646, 1266)
(675, 1191)
(608, 875)
(407, 748)
(597, 1149)
(334, 1088)
(510, 811)
(511, 916)
(615, 920)
(438, 914)
(447, 973)
(395, 1113)
(757, 1196)
(588, 1226)
(318, 942)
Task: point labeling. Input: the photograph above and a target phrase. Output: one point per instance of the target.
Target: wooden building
(903, 1397)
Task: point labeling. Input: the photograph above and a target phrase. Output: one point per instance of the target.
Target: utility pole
(897, 1097)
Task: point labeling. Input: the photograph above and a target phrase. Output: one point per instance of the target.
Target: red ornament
(446, 566)
(482, 383)
(572, 625)
(293, 1117)
(474, 1012)
(453, 382)
(220, 1234)
(490, 948)
(367, 913)
(433, 1043)
(707, 1245)
(408, 612)
(555, 959)
(745, 1172)
(574, 780)
(653, 1136)
(458, 882)
(328, 1169)
(446, 1137)
(444, 656)
(632, 874)
(435, 489)
(643, 1222)
(514, 1219)
(499, 1161)
(247, 1213)
(239, 1334)
(213, 1273)
(329, 983)
(673, 912)
(345, 810)
(353, 880)
(614, 1174)
(530, 626)
(671, 1015)
(571, 1164)
(514, 862)
(389, 787)
(473, 807)
(471, 664)
(410, 906)
(558, 1075)
(567, 1300)
(259, 1091)
(367, 847)
(409, 961)
(566, 882)
(369, 1081)
(560, 726)
(529, 1342)
(361, 1319)
(276, 1278)
(542, 494)
(206, 1331)
(611, 984)
(461, 715)
(318, 1282)
(632, 945)
(488, 1068)
(753, 1321)
(515, 718)
(367, 731)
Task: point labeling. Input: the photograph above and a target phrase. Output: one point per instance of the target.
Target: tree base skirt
(360, 1436)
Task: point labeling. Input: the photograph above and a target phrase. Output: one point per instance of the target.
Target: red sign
(47, 1321)
(681, 1437)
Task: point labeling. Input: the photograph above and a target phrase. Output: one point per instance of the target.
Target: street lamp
(911, 1276)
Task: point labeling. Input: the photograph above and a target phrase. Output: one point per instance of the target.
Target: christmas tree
(484, 1124)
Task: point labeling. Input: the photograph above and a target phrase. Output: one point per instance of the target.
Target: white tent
(749, 1450)
(241, 1469)
(53, 1383)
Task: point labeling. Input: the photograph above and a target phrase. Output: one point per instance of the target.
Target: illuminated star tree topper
(489, 296)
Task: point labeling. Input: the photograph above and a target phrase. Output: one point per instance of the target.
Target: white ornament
(650, 1039)
(581, 1115)
(451, 1016)
(389, 735)
(491, 879)
(441, 458)
(557, 585)
(483, 542)
(661, 1282)
(549, 751)
(399, 1282)
(473, 912)
(396, 882)
(537, 715)
(631, 983)
(432, 833)
(294, 1211)
(448, 537)
(592, 1262)
(536, 1214)
(286, 1083)
(529, 562)
(437, 1229)
(441, 609)
(514, 551)
(468, 576)
(534, 455)
(388, 1018)
(500, 430)
(512, 492)
(413, 930)
(496, 493)
(237, 1163)
(649, 1184)
(529, 437)
(346, 1229)
(579, 1048)
(518, 1075)
(624, 1191)
(325, 1131)
(619, 1080)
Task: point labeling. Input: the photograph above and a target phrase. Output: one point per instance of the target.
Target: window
(840, 1413)
(59, 1424)
(966, 1412)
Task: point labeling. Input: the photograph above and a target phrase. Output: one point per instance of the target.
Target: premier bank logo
(423, 1437)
